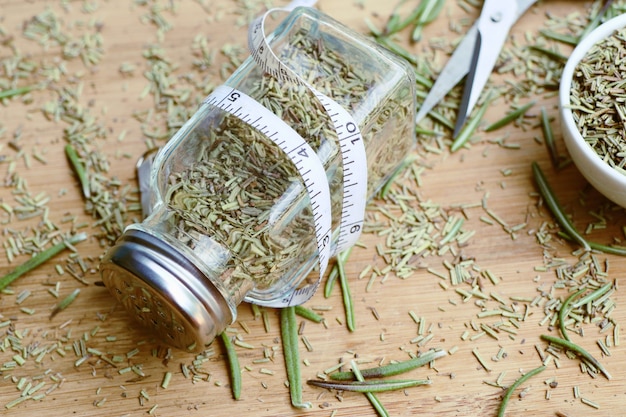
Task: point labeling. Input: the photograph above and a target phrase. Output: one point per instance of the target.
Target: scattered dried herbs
(39, 259)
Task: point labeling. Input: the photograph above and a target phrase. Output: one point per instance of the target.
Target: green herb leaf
(371, 385)
(289, 337)
(510, 117)
(513, 387)
(308, 314)
(345, 290)
(64, 303)
(470, 127)
(579, 351)
(553, 204)
(378, 406)
(392, 369)
(233, 365)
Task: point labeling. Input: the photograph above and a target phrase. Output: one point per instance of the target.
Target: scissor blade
(456, 68)
(470, 91)
(493, 27)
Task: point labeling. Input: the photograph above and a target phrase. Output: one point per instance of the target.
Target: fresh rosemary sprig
(564, 311)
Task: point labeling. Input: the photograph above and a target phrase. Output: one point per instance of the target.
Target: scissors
(475, 57)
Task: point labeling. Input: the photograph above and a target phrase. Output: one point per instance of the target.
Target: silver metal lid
(165, 291)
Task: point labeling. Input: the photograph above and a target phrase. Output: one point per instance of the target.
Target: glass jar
(231, 219)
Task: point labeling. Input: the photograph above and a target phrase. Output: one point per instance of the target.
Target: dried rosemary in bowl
(598, 99)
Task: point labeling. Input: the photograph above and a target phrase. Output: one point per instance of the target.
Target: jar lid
(164, 291)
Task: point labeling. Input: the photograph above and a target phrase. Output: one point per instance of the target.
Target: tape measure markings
(296, 148)
(307, 162)
(354, 159)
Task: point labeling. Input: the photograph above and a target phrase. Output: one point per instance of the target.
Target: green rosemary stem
(548, 137)
(614, 250)
(440, 118)
(553, 204)
(348, 305)
(597, 19)
(397, 49)
(549, 53)
(426, 132)
(39, 259)
(394, 24)
(593, 295)
(513, 387)
(510, 117)
(453, 232)
(579, 351)
(431, 10)
(567, 39)
(391, 369)
(289, 337)
(78, 168)
(334, 273)
(233, 365)
(308, 314)
(64, 303)
(331, 280)
(12, 92)
(371, 385)
(378, 406)
(405, 163)
(470, 127)
(564, 311)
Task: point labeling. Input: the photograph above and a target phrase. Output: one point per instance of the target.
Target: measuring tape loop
(351, 144)
(306, 160)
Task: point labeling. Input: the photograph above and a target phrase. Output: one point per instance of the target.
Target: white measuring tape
(307, 162)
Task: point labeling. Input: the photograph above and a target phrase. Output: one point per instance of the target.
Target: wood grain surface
(384, 328)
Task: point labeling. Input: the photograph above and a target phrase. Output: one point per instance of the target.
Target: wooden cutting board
(385, 329)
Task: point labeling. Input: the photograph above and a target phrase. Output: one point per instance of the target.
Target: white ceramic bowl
(599, 174)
